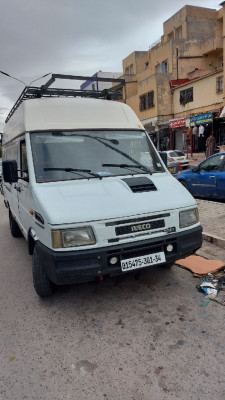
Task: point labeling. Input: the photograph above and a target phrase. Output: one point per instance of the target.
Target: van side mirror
(163, 157)
(9, 171)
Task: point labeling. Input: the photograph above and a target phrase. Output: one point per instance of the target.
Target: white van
(88, 190)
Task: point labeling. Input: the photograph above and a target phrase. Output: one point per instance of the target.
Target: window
(178, 33)
(150, 99)
(129, 70)
(186, 96)
(67, 155)
(219, 84)
(162, 68)
(143, 103)
(23, 155)
(213, 164)
(23, 160)
(147, 101)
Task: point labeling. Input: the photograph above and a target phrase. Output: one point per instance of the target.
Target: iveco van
(89, 192)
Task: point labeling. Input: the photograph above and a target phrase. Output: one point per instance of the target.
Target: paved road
(123, 339)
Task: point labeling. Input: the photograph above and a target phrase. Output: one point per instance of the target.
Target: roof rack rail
(32, 92)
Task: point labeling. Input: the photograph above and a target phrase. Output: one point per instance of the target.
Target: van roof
(45, 114)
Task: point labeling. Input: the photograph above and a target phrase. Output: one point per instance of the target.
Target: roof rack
(32, 92)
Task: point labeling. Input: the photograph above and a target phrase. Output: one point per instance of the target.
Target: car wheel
(41, 282)
(185, 185)
(14, 228)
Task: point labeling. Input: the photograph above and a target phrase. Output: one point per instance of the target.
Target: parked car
(182, 158)
(207, 179)
(178, 156)
(173, 166)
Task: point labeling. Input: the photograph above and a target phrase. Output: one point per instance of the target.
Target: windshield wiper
(75, 170)
(129, 166)
(114, 141)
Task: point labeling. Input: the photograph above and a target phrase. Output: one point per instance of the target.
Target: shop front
(202, 127)
(178, 134)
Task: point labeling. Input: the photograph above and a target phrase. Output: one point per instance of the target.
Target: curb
(213, 239)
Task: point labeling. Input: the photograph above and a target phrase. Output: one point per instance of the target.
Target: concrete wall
(189, 13)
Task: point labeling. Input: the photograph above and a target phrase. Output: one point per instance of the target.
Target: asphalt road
(131, 338)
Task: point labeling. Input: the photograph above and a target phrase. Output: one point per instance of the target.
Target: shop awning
(202, 119)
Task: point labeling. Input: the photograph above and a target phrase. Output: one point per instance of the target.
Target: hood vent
(140, 184)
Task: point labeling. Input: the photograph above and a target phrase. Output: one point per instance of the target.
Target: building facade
(178, 84)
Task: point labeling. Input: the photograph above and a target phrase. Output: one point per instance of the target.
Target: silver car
(178, 155)
(173, 166)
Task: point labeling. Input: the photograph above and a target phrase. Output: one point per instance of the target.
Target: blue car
(207, 179)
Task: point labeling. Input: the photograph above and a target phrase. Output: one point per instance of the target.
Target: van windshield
(63, 155)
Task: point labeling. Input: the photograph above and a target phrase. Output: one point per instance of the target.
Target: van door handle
(17, 188)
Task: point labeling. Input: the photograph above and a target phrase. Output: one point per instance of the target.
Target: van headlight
(73, 237)
(189, 217)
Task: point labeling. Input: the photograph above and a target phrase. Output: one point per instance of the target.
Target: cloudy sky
(77, 37)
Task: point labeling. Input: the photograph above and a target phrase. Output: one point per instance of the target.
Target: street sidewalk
(212, 217)
(195, 159)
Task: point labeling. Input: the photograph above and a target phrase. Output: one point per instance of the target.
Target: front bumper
(86, 265)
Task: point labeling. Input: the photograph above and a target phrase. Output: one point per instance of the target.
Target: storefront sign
(177, 123)
(202, 119)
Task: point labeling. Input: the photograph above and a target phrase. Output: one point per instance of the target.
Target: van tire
(14, 228)
(185, 185)
(41, 282)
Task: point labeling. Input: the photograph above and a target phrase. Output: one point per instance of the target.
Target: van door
(23, 189)
(11, 194)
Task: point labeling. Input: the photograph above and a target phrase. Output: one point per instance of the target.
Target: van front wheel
(14, 228)
(41, 282)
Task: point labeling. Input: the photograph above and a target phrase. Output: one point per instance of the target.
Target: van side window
(23, 159)
(10, 153)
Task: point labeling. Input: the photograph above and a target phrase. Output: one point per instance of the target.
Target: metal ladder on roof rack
(32, 92)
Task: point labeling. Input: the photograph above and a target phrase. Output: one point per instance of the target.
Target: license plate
(171, 169)
(180, 159)
(143, 261)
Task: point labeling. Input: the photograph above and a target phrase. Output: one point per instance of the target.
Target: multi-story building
(180, 78)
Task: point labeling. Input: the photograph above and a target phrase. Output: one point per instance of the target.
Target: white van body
(108, 218)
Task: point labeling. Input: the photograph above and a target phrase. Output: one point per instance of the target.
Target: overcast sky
(77, 37)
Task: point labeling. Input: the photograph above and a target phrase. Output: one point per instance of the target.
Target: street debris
(214, 288)
(200, 266)
(212, 275)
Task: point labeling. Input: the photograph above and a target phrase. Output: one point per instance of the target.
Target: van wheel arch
(14, 227)
(42, 284)
(31, 243)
